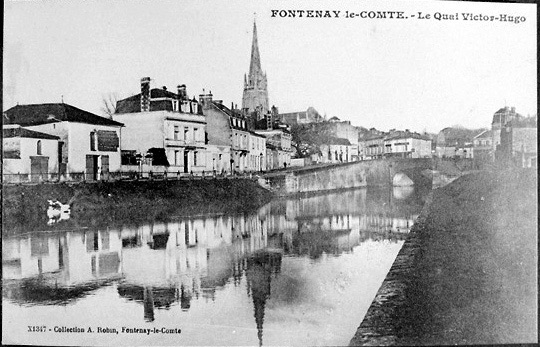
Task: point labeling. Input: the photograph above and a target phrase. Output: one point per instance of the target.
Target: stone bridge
(381, 172)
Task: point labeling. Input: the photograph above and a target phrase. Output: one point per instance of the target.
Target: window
(176, 157)
(93, 141)
(186, 131)
(195, 155)
(175, 105)
(128, 158)
(176, 132)
(195, 133)
(39, 147)
(60, 145)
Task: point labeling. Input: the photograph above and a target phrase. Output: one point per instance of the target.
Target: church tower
(255, 96)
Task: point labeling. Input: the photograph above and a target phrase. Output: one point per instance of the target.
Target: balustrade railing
(80, 177)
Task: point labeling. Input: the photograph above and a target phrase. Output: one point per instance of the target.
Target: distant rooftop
(36, 114)
(17, 131)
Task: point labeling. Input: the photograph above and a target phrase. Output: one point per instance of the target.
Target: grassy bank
(468, 272)
(105, 203)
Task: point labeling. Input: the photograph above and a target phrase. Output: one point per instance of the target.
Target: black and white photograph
(269, 173)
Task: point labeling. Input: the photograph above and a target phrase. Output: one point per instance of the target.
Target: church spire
(255, 66)
(255, 98)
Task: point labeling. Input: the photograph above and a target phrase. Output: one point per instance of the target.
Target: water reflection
(164, 265)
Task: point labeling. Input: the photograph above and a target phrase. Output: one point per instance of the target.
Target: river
(296, 272)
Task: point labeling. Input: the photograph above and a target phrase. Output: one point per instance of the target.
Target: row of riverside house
(153, 133)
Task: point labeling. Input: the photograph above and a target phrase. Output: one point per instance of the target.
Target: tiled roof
(373, 137)
(162, 93)
(129, 105)
(408, 136)
(27, 115)
(132, 104)
(23, 132)
(505, 114)
(223, 108)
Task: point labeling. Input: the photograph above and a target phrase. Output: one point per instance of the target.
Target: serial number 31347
(37, 328)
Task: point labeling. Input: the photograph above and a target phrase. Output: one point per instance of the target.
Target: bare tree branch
(108, 106)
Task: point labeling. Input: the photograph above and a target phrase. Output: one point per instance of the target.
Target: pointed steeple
(255, 87)
(255, 66)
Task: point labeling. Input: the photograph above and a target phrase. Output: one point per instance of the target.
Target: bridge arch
(401, 179)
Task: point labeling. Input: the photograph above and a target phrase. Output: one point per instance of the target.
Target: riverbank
(106, 203)
(467, 274)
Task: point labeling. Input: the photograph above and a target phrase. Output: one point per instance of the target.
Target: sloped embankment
(468, 272)
(104, 203)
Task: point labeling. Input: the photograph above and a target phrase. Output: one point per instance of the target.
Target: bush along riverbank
(467, 274)
(106, 203)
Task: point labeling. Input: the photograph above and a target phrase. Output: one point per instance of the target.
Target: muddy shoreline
(467, 274)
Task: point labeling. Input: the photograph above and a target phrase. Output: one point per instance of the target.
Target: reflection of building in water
(260, 267)
(72, 257)
(174, 262)
(196, 256)
(382, 223)
(72, 263)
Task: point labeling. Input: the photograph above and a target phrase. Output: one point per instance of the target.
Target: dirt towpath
(468, 272)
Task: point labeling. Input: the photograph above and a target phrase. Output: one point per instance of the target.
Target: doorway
(92, 167)
(186, 161)
(39, 168)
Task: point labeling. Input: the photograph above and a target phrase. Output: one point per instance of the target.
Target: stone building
(344, 130)
(278, 147)
(28, 155)
(303, 117)
(519, 143)
(164, 131)
(406, 144)
(88, 146)
(452, 142)
(500, 118)
(233, 146)
(337, 150)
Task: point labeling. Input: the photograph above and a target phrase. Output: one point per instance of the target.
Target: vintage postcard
(280, 173)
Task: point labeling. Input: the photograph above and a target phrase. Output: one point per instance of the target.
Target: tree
(307, 138)
(109, 104)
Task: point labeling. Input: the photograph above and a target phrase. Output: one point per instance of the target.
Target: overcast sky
(383, 73)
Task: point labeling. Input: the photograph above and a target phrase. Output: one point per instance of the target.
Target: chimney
(269, 121)
(205, 99)
(145, 94)
(182, 93)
